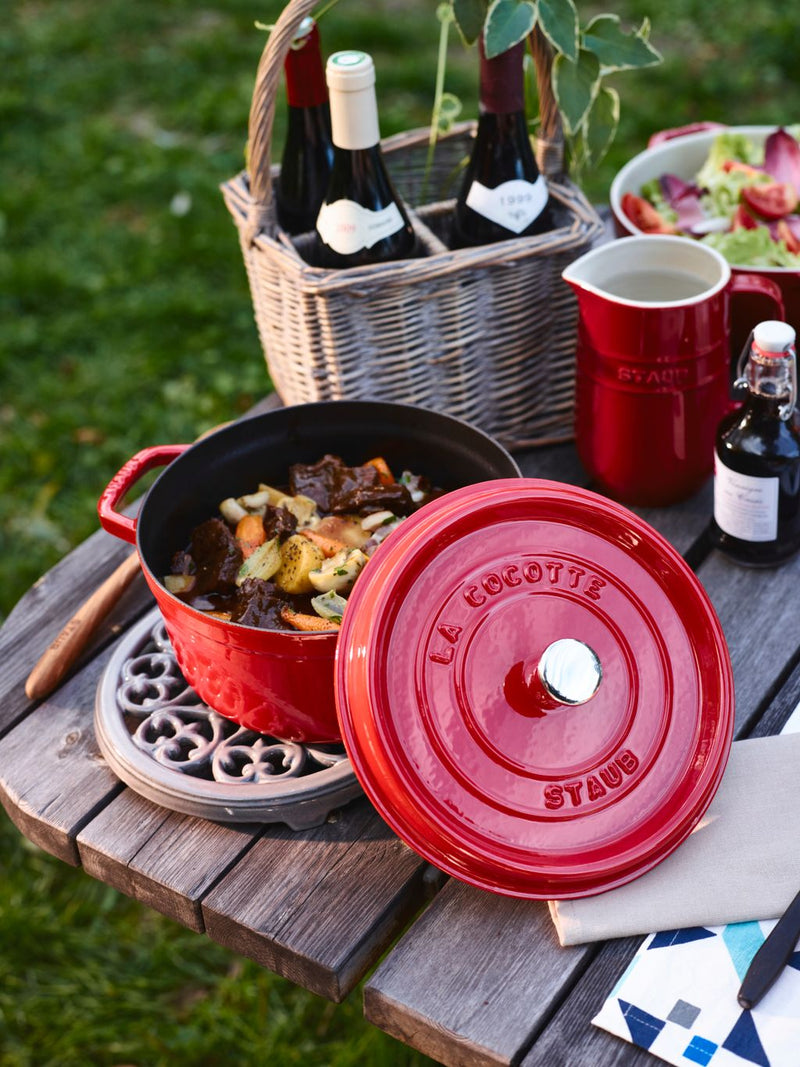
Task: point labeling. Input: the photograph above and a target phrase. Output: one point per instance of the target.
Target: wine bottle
(308, 150)
(503, 195)
(757, 463)
(362, 220)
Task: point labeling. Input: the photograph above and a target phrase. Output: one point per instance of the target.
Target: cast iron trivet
(165, 743)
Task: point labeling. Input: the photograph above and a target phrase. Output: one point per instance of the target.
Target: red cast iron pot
(273, 681)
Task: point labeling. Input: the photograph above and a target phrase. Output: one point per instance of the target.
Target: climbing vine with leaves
(580, 59)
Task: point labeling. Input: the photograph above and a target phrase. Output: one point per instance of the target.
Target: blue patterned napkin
(677, 999)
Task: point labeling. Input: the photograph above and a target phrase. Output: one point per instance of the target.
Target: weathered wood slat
(759, 615)
(451, 987)
(53, 777)
(166, 860)
(319, 906)
(570, 1040)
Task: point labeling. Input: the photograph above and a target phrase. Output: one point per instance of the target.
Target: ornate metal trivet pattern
(162, 740)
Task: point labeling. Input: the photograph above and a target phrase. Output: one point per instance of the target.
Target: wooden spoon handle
(65, 649)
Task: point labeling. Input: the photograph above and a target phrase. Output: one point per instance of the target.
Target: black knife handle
(772, 957)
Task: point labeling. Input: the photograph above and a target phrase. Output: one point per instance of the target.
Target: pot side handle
(113, 521)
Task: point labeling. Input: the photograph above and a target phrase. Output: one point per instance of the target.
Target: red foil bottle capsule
(308, 150)
(757, 462)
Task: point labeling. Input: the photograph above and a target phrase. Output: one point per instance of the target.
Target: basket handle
(550, 137)
(262, 113)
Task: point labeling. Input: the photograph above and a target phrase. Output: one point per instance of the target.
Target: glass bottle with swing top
(757, 462)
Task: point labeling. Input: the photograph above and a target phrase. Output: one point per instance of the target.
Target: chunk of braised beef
(182, 563)
(369, 498)
(349, 480)
(279, 522)
(315, 480)
(217, 556)
(259, 604)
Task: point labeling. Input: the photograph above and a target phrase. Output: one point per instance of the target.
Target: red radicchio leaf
(684, 199)
(782, 158)
(793, 222)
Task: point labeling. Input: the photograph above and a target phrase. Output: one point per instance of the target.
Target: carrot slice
(382, 467)
(250, 533)
(307, 623)
(329, 546)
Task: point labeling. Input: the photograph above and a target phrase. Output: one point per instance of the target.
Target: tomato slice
(744, 168)
(644, 216)
(786, 234)
(770, 200)
(743, 220)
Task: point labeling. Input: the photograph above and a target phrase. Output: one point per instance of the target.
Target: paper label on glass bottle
(744, 506)
(347, 227)
(514, 205)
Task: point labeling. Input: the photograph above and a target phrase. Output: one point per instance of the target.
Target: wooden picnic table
(465, 976)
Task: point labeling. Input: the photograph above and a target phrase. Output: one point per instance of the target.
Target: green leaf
(559, 22)
(470, 16)
(507, 23)
(600, 125)
(616, 49)
(575, 86)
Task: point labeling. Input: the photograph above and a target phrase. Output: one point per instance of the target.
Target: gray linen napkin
(741, 863)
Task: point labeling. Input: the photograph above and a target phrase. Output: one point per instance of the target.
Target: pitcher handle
(758, 285)
(113, 521)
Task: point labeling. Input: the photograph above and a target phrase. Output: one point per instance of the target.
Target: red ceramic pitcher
(653, 362)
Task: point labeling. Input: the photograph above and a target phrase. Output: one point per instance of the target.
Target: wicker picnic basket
(486, 334)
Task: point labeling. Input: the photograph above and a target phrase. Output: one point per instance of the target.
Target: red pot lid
(534, 689)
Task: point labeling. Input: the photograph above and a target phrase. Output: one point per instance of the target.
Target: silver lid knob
(570, 671)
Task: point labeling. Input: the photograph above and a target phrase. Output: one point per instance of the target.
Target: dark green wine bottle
(362, 219)
(503, 194)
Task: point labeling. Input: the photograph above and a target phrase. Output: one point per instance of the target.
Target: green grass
(125, 320)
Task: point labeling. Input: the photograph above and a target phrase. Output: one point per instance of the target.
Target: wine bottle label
(744, 506)
(513, 205)
(347, 227)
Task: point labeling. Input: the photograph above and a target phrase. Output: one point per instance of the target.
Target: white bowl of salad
(736, 188)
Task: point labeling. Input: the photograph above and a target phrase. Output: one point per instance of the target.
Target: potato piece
(302, 507)
(263, 562)
(298, 557)
(339, 572)
(180, 583)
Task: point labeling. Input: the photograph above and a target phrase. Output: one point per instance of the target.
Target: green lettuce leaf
(752, 248)
(723, 188)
